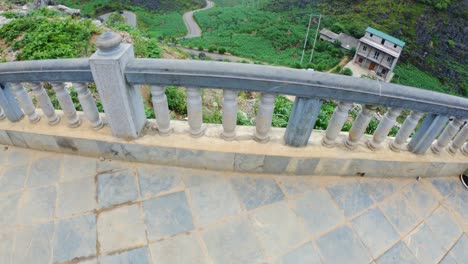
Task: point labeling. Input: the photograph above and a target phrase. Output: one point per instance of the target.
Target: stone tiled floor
(69, 209)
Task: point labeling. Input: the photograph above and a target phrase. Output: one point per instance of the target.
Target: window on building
(376, 54)
(371, 35)
(389, 59)
(394, 46)
(382, 42)
(364, 48)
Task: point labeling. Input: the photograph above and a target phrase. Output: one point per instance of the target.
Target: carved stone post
(359, 126)
(67, 104)
(405, 131)
(122, 102)
(194, 111)
(45, 104)
(385, 125)
(459, 140)
(161, 109)
(431, 126)
(25, 102)
(337, 121)
(264, 117)
(447, 135)
(89, 105)
(229, 114)
(302, 121)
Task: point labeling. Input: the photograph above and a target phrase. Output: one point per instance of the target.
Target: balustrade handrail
(58, 70)
(282, 80)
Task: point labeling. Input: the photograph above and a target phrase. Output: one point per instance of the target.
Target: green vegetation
(271, 37)
(410, 75)
(42, 34)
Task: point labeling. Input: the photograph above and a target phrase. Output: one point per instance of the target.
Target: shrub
(222, 50)
(200, 48)
(176, 100)
(347, 71)
(211, 49)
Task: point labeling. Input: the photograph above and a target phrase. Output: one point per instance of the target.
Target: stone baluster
(229, 114)
(45, 104)
(430, 128)
(464, 150)
(302, 121)
(359, 126)
(121, 101)
(2, 114)
(264, 118)
(385, 125)
(459, 140)
(405, 131)
(89, 105)
(67, 104)
(161, 110)
(25, 102)
(337, 121)
(194, 111)
(447, 135)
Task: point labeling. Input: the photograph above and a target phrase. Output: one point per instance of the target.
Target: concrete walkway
(193, 30)
(70, 209)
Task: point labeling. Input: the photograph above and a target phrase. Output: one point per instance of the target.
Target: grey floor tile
(257, 192)
(13, 178)
(448, 259)
(89, 261)
(76, 167)
(167, 215)
(400, 214)
(134, 256)
(76, 197)
(303, 254)
(37, 205)
(375, 231)
(277, 227)
(399, 253)
(9, 210)
(420, 198)
(318, 211)
(111, 165)
(6, 246)
(248, 162)
(34, 244)
(459, 250)
(293, 186)
(445, 186)
(457, 200)
(233, 242)
(18, 157)
(214, 201)
(154, 180)
(444, 227)
(379, 189)
(75, 238)
(343, 246)
(169, 250)
(116, 187)
(121, 228)
(194, 178)
(350, 196)
(45, 171)
(424, 245)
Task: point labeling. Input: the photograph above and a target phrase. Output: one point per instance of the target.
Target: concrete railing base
(243, 154)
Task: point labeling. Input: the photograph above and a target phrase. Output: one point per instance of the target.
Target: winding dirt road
(193, 30)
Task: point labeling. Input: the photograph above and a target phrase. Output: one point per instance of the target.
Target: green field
(265, 36)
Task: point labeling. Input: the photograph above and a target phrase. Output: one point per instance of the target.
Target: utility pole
(315, 40)
(306, 39)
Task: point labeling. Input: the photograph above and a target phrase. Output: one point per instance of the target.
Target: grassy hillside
(434, 30)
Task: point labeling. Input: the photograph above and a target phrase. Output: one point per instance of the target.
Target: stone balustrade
(117, 75)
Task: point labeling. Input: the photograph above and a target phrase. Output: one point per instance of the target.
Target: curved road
(193, 30)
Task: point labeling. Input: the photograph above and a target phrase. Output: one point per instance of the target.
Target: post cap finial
(108, 41)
